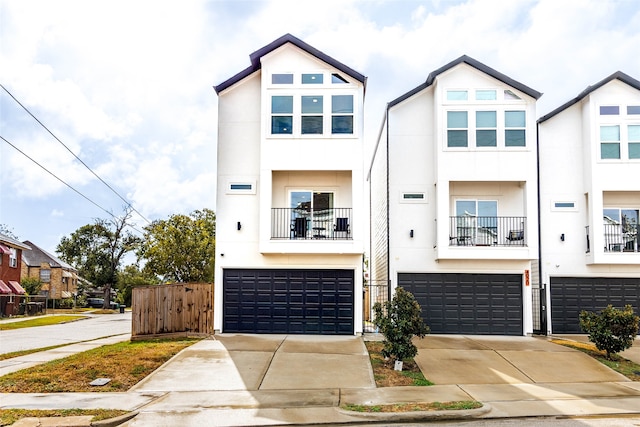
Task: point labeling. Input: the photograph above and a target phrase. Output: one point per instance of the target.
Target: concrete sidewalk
(237, 380)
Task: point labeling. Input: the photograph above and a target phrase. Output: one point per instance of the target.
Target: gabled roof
(478, 66)
(37, 256)
(12, 243)
(619, 75)
(287, 38)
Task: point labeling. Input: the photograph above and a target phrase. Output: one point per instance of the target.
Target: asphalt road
(94, 327)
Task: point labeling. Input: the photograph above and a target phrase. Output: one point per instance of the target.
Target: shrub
(399, 320)
(612, 330)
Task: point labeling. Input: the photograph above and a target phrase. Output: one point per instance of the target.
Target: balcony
(476, 231)
(308, 224)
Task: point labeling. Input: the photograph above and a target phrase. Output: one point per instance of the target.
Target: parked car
(99, 303)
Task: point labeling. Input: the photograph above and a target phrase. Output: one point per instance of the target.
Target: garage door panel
(570, 295)
(468, 303)
(288, 301)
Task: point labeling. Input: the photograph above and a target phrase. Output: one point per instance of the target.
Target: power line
(73, 154)
(62, 181)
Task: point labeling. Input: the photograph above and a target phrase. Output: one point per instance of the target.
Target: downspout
(388, 210)
(543, 286)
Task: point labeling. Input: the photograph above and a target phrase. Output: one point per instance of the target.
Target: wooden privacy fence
(179, 310)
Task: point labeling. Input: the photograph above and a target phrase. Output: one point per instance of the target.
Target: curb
(419, 415)
(115, 421)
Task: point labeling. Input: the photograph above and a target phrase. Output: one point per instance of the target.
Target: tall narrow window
(610, 142)
(342, 114)
(486, 129)
(312, 115)
(282, 115)
(515, 126)
(634, 141)
(457, 129)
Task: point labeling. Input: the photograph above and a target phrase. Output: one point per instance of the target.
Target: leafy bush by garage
(612, 330)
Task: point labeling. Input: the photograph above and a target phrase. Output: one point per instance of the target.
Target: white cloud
(57, 212)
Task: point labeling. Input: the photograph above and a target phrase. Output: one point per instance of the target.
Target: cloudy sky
(126, 85)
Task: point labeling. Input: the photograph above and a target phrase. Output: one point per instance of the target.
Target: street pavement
(237, 380)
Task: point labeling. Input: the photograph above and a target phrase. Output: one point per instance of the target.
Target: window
(457, 125)
(457, 95)
(342, 114)
(609, 110)
(45, 275)
(509, 95)
(562, 206)
(486, 95)
(610, 142)
(282, 115)
(515, 125)
(282, 79)
(338, 79)
(486, 129)
(633, 110)
(312, 115)
(13, 257)
(413, 198)
(241, 187)
(634, 141)
(312, 79)
(477, 220)
(621, 229)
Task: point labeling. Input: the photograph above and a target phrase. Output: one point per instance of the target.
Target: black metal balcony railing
(620, 238)
(305, 224)
(487, 231)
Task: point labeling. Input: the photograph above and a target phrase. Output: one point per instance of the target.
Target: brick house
(58, 278)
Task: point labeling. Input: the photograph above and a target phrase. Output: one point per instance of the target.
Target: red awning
(17, 289)
(4, 249)
(4, 289)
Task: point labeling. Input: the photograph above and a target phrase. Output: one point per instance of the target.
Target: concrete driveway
(458, 359)
(265, 362)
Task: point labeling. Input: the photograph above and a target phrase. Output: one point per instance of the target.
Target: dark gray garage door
(271, 301)
(570, 295)
(452, 303)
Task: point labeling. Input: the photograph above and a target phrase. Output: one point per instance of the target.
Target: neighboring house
(454, 200)
(11, 292)
(291, 215)
(590, 201)
(59, 279)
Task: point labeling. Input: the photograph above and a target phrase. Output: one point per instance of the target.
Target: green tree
(130, 277)
(96, 250)
(31, 285)
(612, 330)
(399, 320)
(181, 248)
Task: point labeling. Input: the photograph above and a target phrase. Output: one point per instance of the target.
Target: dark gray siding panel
(455, 303)
(570, 295)
(276, 301)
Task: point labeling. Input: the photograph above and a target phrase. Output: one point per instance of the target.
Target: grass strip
(39, 321)
(386, 376)
(10, 416)
(125, 363)
(414, 407)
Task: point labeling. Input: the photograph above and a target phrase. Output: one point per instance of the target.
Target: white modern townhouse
(453, 187)
(291, 212)
(590, 202)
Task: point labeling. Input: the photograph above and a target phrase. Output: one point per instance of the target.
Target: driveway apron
(265, 362)
(457, 359)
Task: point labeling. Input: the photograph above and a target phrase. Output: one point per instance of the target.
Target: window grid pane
(514, 138)
(342, 124)
(486, 95)
(342, 104)
(457, 119)
(609, 110)
(486, 119)
(634, 150)
(315, 78)
(282, 104)
(486, 138)
(609, 150)
(312, 124)
(457, 138)
(457, 95)
(282, 125)
(610, 133)
(633, 109)
(312, 105)
(282, 79)
(514, 119)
